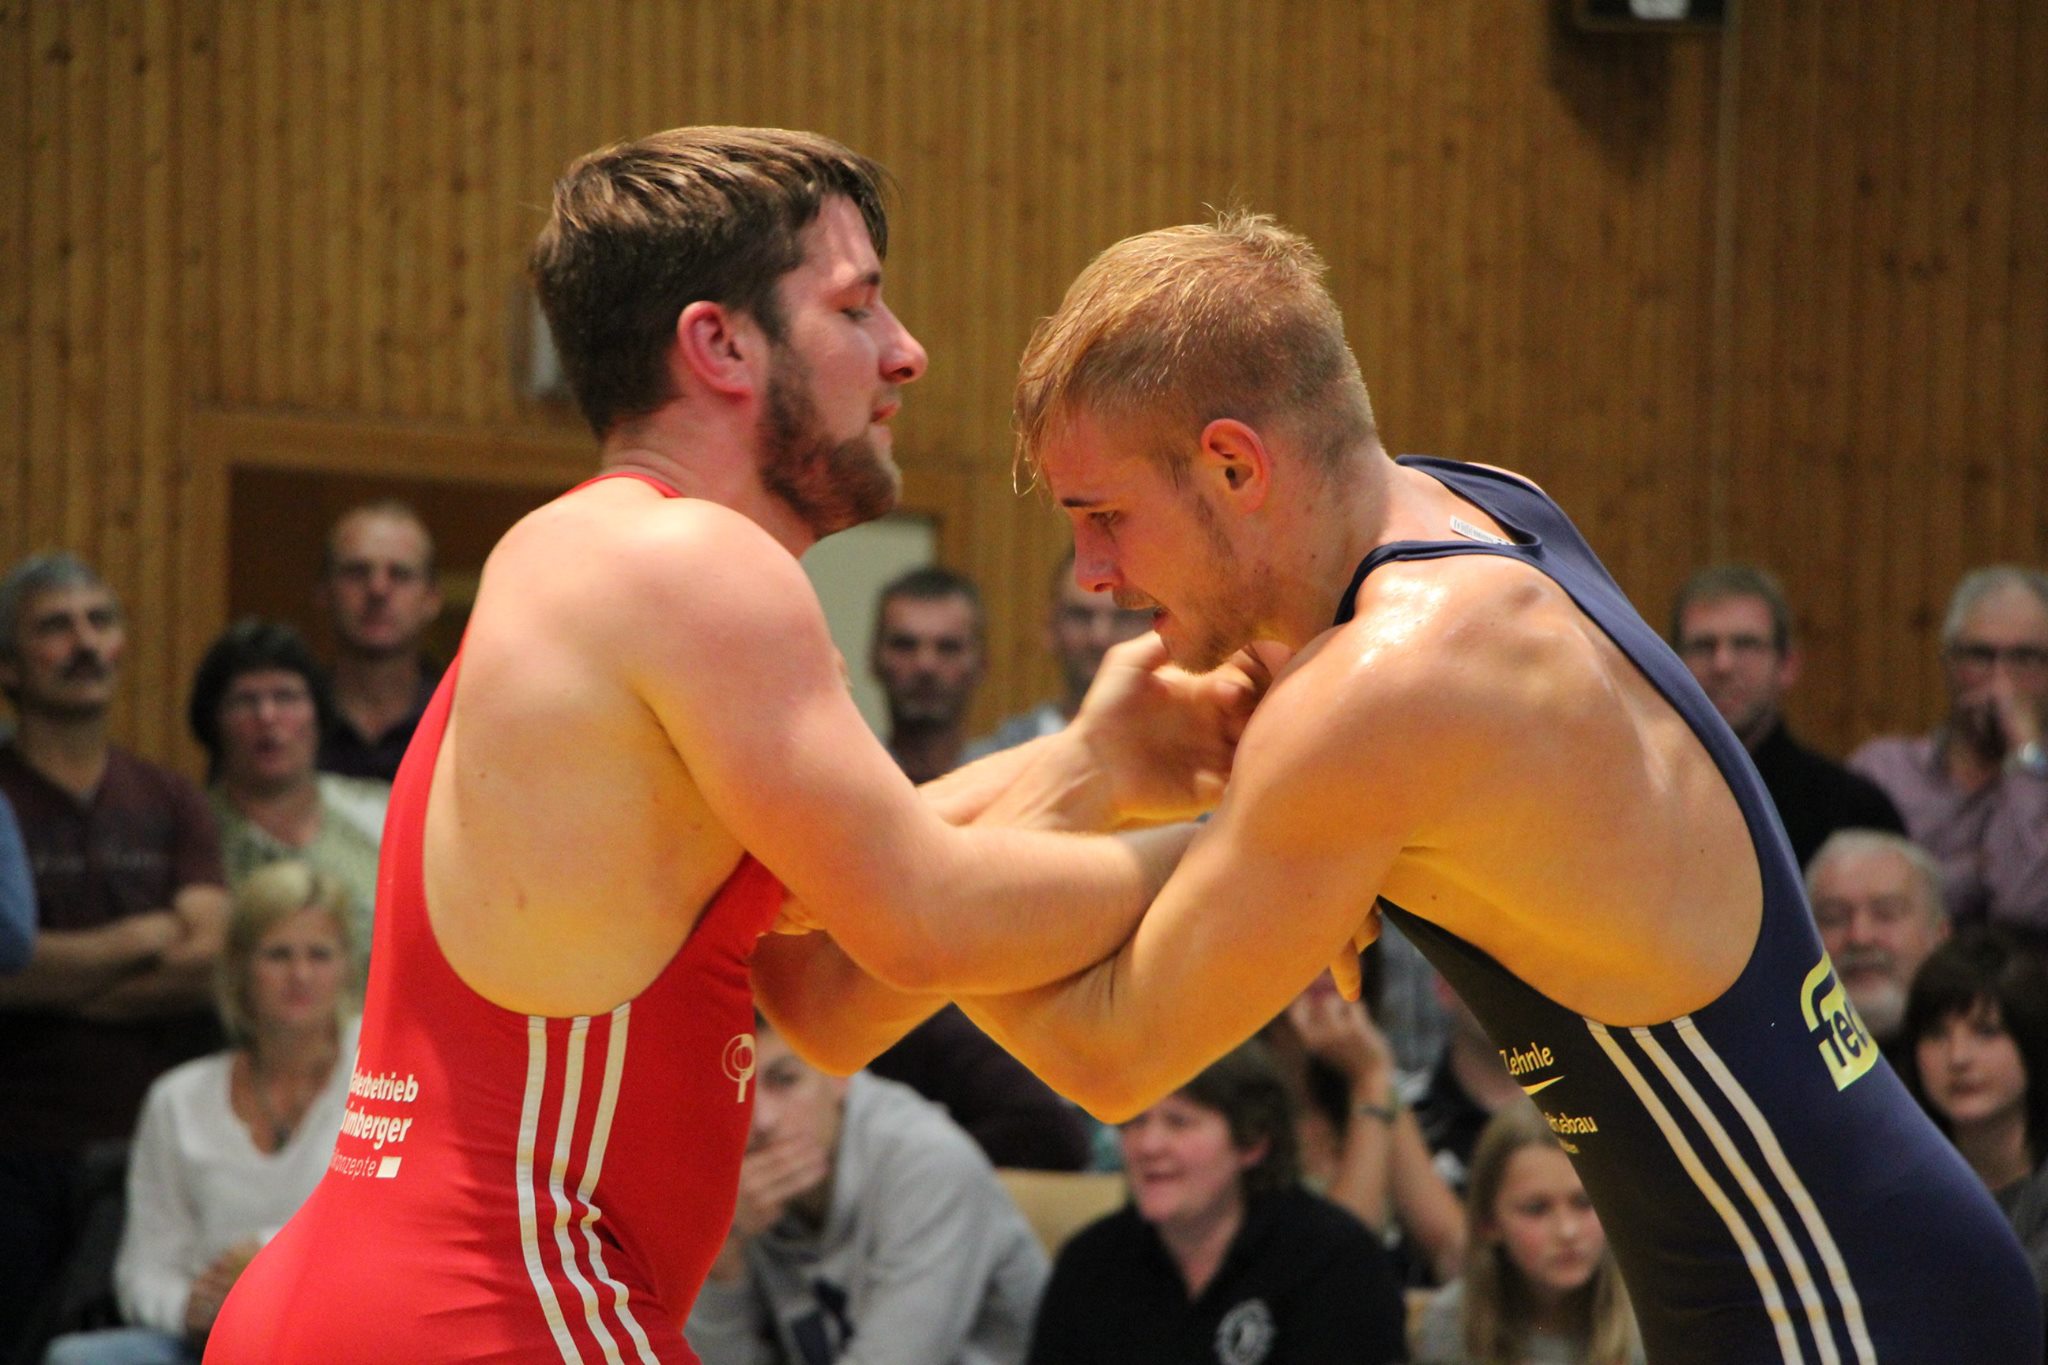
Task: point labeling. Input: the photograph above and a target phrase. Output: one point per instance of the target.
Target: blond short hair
(1173, 329)
(266, 898)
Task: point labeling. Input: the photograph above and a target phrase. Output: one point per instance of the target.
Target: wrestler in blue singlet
(1771, 1190)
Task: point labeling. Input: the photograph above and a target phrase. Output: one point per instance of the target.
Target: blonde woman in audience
(230, 1145)
(1540, 1287)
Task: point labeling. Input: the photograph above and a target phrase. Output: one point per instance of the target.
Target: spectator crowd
(1363, 1182)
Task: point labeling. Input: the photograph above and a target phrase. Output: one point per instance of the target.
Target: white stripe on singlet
(1681, 1147)
(565, 1140)
(1795, 1190)
(1760, 1200)
(600, 1138)
(523, 1173)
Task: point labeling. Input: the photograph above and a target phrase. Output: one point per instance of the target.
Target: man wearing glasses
(1733, 627)
(1975, 792)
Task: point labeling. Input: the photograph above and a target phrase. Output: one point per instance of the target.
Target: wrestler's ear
(1233, 459)
(718, 348)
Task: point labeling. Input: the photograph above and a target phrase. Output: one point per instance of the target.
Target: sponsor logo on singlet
(383, 1132)
(739, 1063)
(1837, 1030)
(1521, 1062)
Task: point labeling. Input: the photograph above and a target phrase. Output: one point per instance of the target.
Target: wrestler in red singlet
(510, 1187)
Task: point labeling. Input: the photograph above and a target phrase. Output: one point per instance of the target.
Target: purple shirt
(1992, 843)
(143, 835)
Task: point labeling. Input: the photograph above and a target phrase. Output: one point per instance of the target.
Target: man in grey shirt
(870, 1231)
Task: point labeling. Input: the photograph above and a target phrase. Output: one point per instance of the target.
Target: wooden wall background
(1778, 292)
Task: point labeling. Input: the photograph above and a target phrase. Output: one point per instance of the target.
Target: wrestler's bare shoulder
(624, 528)
(622, 564)
(1480, 639)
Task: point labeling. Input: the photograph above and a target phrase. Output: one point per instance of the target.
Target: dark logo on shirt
(1245, 1336)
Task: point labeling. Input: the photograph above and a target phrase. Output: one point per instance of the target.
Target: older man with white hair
(1974, 792)
(1877, 900)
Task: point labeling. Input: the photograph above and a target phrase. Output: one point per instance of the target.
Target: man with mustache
(646, 737)
(1975, 791)
(1877, 903)
(132, 908)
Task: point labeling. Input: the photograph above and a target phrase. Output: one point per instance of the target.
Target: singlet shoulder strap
(1530, 519)
(656, 484)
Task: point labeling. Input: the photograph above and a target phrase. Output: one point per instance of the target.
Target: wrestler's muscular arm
(745, 683)
(1151, 743)
(1337, 773)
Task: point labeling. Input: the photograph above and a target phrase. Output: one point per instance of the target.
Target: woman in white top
(230, 1145)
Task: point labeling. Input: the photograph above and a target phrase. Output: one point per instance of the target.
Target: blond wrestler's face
(1151, 544)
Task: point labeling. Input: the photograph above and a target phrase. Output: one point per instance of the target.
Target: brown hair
(1719, 582)
(640, 230)
(1176, 328)
(1497, 1307)
(1245, 1087)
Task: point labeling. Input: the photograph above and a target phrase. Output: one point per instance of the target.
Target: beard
(1872, 978)
(1882, 1004)
(829, 484)
(933, 709)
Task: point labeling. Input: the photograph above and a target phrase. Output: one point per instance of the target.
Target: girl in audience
(1220, 1255)
(230, 1145)
(1977, 1015)
(1540, 1287)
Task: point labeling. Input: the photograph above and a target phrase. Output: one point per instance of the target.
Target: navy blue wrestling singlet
(1771, 1190)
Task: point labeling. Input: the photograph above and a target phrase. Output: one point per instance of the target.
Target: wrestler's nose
(903, 356)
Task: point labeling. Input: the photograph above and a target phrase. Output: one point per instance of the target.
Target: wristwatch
(2029, 758)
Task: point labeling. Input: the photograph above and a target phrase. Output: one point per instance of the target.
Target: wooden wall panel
(16, 252)
(1888, 327)
(1778, 294)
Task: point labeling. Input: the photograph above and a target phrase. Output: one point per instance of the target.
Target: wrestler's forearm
(1068, 1034)
(1076, 909)
(837, 1016)
(1094, 1039)
(1046, 783)
(840, 1015)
